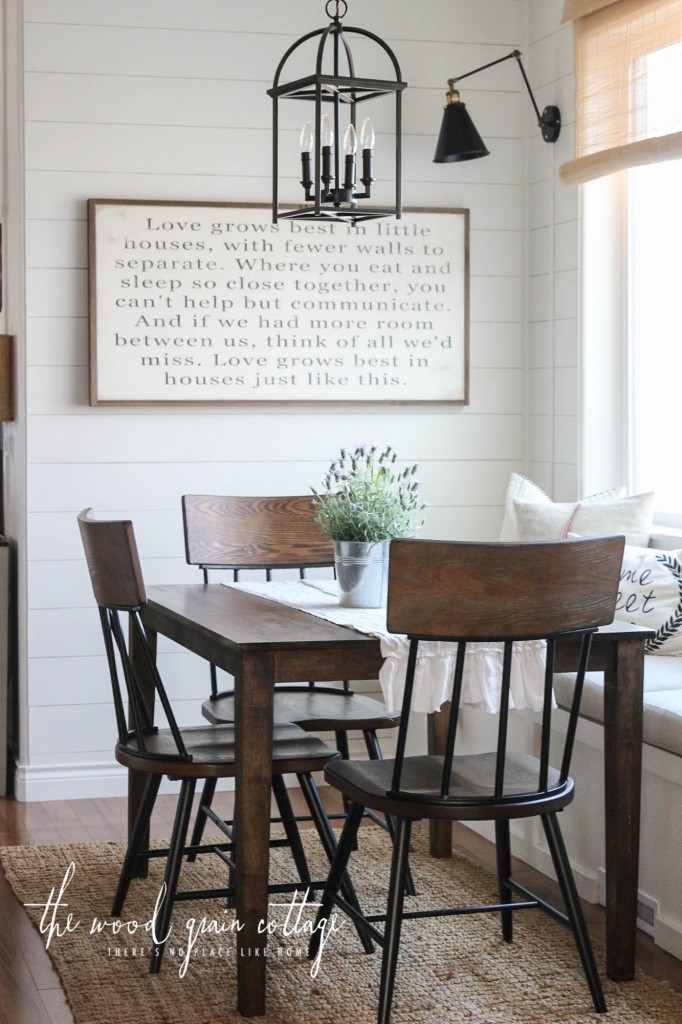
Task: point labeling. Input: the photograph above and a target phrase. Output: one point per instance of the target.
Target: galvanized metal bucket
(361, 572)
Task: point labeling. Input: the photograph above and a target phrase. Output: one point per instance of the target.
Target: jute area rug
(450, 970)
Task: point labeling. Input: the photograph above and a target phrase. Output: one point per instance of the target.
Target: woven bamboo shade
(624, 51)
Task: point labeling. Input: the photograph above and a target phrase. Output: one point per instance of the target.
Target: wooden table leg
(440, 832)
(253, 726)
(623, 715)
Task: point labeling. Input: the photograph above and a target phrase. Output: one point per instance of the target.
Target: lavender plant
(365, 497)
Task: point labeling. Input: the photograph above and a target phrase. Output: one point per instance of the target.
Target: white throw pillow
(631, 515)
(650, 594)
(524, 490)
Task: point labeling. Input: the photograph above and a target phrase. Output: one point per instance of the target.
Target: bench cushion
(662, 700)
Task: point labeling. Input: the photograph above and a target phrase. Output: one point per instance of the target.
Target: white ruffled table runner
(436, 661)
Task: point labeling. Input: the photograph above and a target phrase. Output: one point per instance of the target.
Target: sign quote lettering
(216, 303)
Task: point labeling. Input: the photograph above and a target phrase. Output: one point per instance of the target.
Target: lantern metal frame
(338, 203)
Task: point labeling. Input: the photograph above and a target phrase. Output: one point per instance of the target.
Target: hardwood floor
(30, 992)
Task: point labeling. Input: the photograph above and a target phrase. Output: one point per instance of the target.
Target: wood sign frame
(212, 302)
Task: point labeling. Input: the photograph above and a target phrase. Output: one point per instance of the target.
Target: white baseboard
(668, 935)
(96, 781)
(70, 782)
(80, 782)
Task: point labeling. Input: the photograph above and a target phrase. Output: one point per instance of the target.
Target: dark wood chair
(275, 533)
(182, 754)
(467, 593)
(271, 533)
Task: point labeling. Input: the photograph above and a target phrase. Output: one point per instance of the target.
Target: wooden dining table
(260, 643)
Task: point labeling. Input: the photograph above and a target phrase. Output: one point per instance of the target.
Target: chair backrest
(113, 561)
(268, 533)
(468, 592)
(253, 532)
(117, 583)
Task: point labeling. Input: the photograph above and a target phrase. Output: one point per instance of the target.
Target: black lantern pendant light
(334, 187)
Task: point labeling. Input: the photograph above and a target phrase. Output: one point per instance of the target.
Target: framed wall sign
(215, 303)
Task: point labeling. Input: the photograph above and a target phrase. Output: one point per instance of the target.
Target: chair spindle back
(508, 593)
(117, 583)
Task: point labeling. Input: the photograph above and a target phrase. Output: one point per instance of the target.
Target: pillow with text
(650, 594)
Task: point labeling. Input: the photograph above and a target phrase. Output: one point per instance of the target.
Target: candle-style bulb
(350, 142)
(326, 133)
(367, 135)
(306, 138)
(367, 147)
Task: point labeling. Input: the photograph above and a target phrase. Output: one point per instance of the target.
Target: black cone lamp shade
(458, 139)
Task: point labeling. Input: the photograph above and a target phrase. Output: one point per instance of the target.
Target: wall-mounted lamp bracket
(459, 139)
(549, 121)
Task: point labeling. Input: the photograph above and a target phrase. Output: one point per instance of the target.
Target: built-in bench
(662, 700)
(660, 906)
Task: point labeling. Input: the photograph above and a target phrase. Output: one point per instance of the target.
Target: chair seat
(472, 787)
(212, 749)
(312, 709)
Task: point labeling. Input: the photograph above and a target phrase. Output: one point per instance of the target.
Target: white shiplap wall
(165, 99)
(553, 265)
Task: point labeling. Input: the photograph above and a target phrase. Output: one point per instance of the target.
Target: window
(655, 331)
(655, 297)
(632, 310)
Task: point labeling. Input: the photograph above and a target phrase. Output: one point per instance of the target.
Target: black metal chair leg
(374, 754)
(503, 851)
(205, 804)
(137, 841)
(286, 813)
(207, 795)
(409, 881)
(394, 917)
(574, 909)
(329, 844)
(170, 880)
(341, 739)
(336, 873)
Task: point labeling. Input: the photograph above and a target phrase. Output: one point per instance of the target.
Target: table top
(244, 622)
(225, 626)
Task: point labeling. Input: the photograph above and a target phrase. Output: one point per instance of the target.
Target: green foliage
(365, 498)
